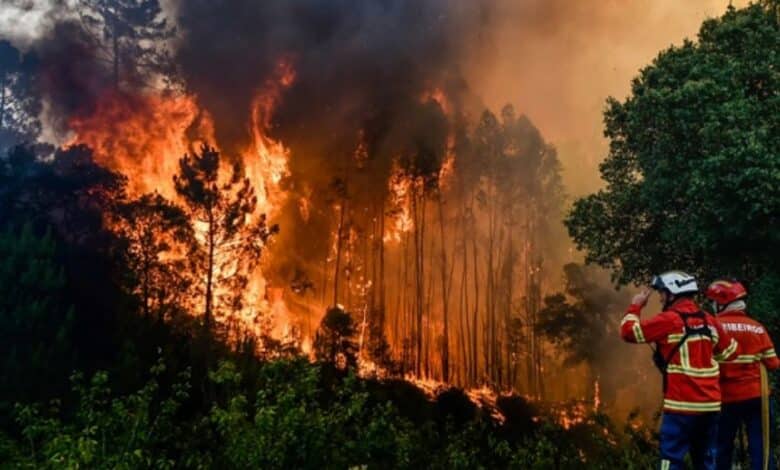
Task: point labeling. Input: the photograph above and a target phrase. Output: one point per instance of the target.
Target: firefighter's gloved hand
(641, 298)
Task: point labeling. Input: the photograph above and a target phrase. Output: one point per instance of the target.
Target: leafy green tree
(694, 162)
(107, 430)
(289, 425)
(35, 323)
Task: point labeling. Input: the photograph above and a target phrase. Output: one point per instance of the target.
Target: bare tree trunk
(210, 272)
(381, 286)
(464, 304)
(509, 286)
(445, 348)
(339, 242)
(474, 322)
(419, 251)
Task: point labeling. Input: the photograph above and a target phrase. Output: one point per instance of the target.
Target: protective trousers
(733, 415)
(684, 433)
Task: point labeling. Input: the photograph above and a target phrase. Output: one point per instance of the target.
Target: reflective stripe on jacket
(740, 377)
(693, 371)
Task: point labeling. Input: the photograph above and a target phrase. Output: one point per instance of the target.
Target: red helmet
(724, 292)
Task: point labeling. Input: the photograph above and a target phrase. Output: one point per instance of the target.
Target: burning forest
(378, 189)
(307, 182)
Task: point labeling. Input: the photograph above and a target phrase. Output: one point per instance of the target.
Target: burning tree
(335, 342)
(229, 234)
(155, 232)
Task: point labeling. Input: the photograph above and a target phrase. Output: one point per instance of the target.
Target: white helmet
(675, 282)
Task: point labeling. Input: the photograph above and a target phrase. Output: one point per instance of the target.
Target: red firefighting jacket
(740, 378)
(693, 372)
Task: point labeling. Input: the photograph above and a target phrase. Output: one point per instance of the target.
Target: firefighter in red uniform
(741, 384)
(689, 344)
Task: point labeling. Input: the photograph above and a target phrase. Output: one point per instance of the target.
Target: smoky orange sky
(558, 60)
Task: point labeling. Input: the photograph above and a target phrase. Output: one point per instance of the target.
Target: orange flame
(144, 136)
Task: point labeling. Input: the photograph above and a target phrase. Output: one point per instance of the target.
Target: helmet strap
(670, 298)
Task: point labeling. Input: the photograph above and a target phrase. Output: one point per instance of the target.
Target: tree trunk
(381, 286)
(475, 314)
(339, 239)
(210, 273)
(445, 348)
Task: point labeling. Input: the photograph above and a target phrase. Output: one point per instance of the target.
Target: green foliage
(287, 426)
(105, 432)
(295, 419)
(35, 326)
(693, 168)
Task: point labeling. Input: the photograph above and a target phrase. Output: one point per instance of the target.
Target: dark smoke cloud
(73, 78)
(354, 59)
(362, 68)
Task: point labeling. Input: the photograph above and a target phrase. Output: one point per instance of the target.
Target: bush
(290, 414)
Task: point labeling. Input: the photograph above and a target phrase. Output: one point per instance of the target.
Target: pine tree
(35, 324)
(155, 235)
(334, 342)
(131, 35)
(19, 105)
(229, 233)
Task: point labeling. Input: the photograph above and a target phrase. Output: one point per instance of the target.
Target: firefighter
(745, 393)
(689, 344)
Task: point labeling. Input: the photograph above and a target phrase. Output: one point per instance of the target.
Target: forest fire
(318, 234)
(404, 224)
(418, 264)
(144, 137)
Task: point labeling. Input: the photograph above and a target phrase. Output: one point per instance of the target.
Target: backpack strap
(661, 362)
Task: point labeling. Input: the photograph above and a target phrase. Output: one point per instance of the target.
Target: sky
(558, 60)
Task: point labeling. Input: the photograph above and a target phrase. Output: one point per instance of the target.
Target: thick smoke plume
(355, 62)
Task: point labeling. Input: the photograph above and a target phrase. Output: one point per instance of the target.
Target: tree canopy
(19, 104)
(693, 167)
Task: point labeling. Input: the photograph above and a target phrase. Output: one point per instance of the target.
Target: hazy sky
(558, 60)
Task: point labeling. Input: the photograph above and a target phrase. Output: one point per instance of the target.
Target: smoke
(73, 79)
(558, 61)
(352, 60)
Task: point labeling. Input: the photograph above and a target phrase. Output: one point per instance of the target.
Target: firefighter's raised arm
(635, 330)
